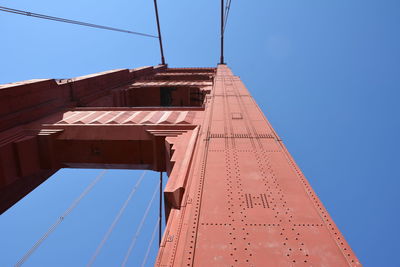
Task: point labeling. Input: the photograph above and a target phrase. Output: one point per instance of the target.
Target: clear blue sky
(326, 74)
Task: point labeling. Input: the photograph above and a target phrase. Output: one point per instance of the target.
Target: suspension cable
(221, 61)
(159, 33)
(139, 229)
(160, 210)
(41, 16)
(224, 21)
(153, 235)
(227, 8)
(116, 220)
(60, 219)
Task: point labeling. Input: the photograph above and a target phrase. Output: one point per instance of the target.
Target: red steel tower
(234, 196)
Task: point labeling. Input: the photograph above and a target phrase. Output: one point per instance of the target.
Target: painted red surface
(234, 196)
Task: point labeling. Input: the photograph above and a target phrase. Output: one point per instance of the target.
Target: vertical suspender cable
(160, 211)
(222, 33)
(139, 229)
(159, 33)
(60, 219)
(153, 235)
(117, 218)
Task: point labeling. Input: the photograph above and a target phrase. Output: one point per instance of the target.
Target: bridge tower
(234, 196)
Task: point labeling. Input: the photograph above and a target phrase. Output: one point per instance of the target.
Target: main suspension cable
(159, 33)
(221, 61)
(60, 219)
(116, 220)
(139, 229)
(41, 16)
(153, 235)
